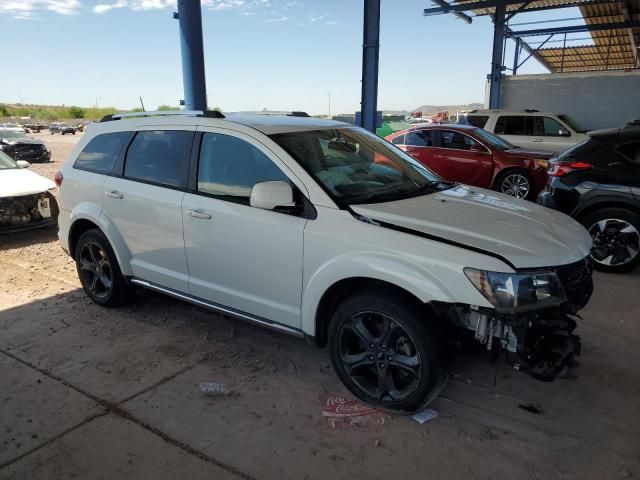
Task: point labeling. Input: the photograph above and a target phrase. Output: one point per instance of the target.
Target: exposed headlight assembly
(518, 292)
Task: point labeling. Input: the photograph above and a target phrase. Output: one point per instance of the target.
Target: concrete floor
(91, 393)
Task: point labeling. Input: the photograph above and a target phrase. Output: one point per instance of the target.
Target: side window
(545, 127)
(399, 140)
(230, 167)
(456, 140)
(630, 151)
(419, 138)
(101, 153)
(159, 156)
(477, 120)
(511, 125)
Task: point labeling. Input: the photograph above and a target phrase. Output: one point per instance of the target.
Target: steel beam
(190, 20)
(460, 15)
(575, 29)
(499, 35)
(632, 36)
(370, 56)
(516, 55)
(485, 4)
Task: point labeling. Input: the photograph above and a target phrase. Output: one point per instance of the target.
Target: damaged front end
(26, 212)
(534, 316)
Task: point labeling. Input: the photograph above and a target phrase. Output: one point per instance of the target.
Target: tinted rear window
(159, 157)
(511, 125)
(101, 152)
(474, 120)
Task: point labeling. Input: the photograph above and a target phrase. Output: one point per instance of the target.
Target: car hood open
(525, 234)
(18, 181)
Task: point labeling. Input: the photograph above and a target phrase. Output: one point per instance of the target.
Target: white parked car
(325, 231)
(527, 128)
(26, 200)
(12, 126)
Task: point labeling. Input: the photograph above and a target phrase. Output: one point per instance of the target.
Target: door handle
(114, 194)
(199, 214)
(537, 140)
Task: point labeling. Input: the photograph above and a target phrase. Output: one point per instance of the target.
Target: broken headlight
(516, 292)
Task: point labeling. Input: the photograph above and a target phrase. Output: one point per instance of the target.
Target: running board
(219, 308)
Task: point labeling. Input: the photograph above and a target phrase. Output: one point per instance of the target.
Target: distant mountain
(433, 109)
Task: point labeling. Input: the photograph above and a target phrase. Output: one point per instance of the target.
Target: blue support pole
(516, 56)
(499, 33)
(370, 56)
(190, 19)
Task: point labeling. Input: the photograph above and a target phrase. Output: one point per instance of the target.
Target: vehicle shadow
(11, 241)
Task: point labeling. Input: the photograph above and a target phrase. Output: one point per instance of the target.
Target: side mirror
(271, 195)
(564, 133)
(23, 163)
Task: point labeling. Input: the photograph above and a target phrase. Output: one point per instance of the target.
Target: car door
(513, 128)
(418, 144)
(142, 204)
(546, 133)
(239, 256)
(457, 157)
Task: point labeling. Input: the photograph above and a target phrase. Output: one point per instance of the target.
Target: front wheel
(384, 350)
(616, 239)
(516, 183)
(99, 271)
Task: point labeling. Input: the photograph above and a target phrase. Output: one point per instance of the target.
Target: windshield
(11, 134)
(494, 141)
(355, 166)
(6, 162)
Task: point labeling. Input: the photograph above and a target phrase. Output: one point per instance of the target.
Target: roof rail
(298, 114)
(185, 113)
(531, 110)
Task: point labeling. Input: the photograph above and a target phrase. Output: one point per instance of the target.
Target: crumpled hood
(526, 234)
(15, 141)
(18, 181)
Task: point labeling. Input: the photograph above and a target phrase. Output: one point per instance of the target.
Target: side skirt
(263, 322)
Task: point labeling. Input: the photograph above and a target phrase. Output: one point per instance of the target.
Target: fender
(93, 213)
(387, 267)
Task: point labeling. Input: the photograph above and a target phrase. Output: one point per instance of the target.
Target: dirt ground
(91, 393)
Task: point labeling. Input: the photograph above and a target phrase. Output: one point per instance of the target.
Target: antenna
(142, 103)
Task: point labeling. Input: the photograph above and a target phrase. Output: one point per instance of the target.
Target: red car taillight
(58, 178)
(558, 169)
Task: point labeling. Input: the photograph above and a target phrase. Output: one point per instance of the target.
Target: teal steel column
(499, 33)
(370, 56)
(190, 19)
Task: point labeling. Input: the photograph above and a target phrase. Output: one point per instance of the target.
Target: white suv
(325, 231)
(527, 128)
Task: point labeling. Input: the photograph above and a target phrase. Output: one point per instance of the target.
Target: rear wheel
(616, 239)
(384, 350)
(516, 183)
(99, 271)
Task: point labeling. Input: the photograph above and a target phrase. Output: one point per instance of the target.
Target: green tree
(163, 108)
(76, 112)
(3, 111)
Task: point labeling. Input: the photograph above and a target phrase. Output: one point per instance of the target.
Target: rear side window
(230, 167)
(474, 120)
(546, 127)
(101, 152)
(159, 157)
(419, 138)
(456, 140)
(511, 125)
(399, 140)
(631, 151)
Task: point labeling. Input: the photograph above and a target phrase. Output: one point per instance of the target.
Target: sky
(274, 54)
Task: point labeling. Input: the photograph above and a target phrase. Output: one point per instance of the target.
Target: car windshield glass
(6, 162)
(354, 166)
(494, 141)
(11, 134)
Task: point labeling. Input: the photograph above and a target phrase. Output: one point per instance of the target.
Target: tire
(365, 358)
(513, 182)
(93, 251)
(616, 239)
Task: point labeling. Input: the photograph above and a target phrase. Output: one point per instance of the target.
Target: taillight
(558, 169)
(58, 178)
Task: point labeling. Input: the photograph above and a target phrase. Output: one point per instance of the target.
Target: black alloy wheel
(99, 271)
(616, 239)
(384, 349)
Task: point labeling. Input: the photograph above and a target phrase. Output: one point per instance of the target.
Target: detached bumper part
(546, 348)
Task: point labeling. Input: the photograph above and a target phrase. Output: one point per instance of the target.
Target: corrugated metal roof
(613, 49)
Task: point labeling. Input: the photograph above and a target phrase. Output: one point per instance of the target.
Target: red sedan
(470, 155)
